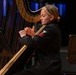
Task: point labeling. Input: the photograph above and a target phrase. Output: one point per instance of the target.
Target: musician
(47, 44)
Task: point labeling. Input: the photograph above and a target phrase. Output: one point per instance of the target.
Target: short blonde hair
(52, 10)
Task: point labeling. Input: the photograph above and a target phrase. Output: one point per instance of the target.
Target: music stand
(72, 49)
(3, 41)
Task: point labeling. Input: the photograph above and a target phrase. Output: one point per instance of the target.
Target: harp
(26, 12)
(10, 67)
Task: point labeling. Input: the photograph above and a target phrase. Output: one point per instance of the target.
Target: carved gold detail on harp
(26, 12)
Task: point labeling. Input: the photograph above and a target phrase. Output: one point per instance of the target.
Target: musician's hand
(22, 33)
(30, 31)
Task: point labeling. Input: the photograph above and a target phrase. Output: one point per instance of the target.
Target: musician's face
(45, 18)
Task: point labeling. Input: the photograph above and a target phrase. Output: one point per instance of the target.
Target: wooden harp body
(13, 64)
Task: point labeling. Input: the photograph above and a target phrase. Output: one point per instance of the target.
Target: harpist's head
(51, 12)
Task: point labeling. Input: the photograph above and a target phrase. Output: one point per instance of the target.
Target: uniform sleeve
(38, 40)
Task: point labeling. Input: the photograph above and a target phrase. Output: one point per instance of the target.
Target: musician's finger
(26, 29)
(33, 28)
(22, 33)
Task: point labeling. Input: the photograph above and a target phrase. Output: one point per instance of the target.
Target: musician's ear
(51, 17)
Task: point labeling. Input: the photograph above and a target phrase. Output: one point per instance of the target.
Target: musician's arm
(29, 41)
(38, 40)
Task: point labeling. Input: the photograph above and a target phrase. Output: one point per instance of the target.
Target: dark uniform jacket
(47, 45)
